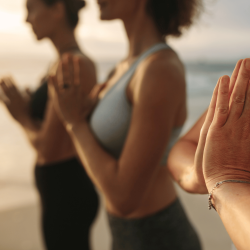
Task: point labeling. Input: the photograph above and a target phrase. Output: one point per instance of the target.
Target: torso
(57, 144)
(162, 192)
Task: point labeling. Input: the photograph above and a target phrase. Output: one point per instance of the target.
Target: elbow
(124, 207)
(36, 143)
(40, 147)
(126, 210)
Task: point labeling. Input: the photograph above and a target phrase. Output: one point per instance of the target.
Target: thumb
(53, 83)
(28, 92)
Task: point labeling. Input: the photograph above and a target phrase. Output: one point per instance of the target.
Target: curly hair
(173, 16)
(72, 8)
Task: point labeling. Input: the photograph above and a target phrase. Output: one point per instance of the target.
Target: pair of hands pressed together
(72, 95)
(16, 102)
(223, 150)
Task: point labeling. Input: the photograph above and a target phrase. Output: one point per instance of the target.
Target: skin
(49, 138)
(227, 154)
(186, 157)
(135, 185)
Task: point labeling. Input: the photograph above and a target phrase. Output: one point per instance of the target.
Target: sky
(221, 34)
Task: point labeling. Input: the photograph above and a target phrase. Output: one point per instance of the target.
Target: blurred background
(210, 49)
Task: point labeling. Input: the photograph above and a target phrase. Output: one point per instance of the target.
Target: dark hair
(72, 8)
(173, 16)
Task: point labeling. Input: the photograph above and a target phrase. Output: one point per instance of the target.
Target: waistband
(66, 163)
(169, 209)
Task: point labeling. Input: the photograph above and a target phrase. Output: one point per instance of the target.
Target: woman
(125, 141)
(68, 197)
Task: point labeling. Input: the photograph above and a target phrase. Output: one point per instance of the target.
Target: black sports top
(39, 101)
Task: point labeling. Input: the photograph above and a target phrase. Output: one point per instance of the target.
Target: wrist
(76, 126)
(229, 194)
(198, 180)
(193, 182)
(225, 175)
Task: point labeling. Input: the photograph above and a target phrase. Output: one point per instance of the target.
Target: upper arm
(159, 90)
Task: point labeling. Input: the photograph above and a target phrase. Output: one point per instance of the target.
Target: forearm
(185, 160)
(181, 166)
(31, 129)
(232, 202)
(100, 166)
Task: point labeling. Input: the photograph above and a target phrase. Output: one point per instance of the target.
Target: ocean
(201, 80)
(17, 156)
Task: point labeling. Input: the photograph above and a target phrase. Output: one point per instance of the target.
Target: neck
(142, 33)
(64, 41)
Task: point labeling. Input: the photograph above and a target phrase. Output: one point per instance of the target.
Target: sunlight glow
(219, 31)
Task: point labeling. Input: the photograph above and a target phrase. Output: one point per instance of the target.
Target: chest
(110, 121)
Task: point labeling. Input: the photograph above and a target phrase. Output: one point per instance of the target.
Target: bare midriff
(161, 194)
(58, 147)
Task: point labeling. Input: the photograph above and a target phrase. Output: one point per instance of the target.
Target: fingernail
(225, 79)
(248, 63)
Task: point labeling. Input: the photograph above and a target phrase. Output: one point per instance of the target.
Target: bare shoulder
(165, 64)
(162, 73)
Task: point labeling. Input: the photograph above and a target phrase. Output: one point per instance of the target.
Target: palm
(227, 149)
(218, 152)
(71, 90)
(17, 104)
(73, 105)
(198, 161)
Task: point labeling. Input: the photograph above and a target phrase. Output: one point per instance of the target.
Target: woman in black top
(68, 197)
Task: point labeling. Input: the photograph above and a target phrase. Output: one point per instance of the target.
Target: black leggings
(168, 229)
(69, 205)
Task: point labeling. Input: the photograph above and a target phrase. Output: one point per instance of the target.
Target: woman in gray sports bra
(124, 140)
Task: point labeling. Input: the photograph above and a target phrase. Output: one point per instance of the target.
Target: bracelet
(210, 196)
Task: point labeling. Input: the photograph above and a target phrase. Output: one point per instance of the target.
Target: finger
(54, 83)
(235, 75)
(67, 70)
(11, 85)
(2, 94)
(211, 110)
(71, 68)
(76, 61)
(59, 75)
(28, 92)
(239, 92)
(222, 105)
(5, 88)
(234, 78)
(246, 111)
(6, 82)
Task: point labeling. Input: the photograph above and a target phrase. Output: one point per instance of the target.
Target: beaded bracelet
(210, 196)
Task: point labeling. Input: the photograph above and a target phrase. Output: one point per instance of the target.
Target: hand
(198, 160)
(17, 104)
(70, 90)
(227, 148)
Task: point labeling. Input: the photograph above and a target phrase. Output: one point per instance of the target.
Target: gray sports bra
(111, 118)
